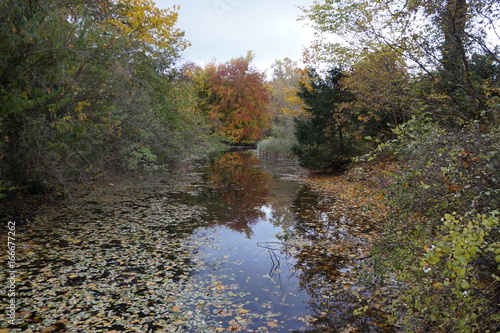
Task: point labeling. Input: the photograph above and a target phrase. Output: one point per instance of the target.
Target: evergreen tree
(323, 140)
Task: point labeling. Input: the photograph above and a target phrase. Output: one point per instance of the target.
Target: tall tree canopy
(284, 100)
(235, 97)
(440, 38)
(85, 87)
(382, 88)
(286, 77)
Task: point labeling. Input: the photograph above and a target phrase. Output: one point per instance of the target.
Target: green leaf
(488, 222)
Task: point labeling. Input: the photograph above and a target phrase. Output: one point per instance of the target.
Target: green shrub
(446, 264)
(447, 293)
(446, 170)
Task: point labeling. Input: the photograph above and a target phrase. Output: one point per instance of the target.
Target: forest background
(91, 90)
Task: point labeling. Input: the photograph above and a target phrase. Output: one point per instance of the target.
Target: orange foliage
(359, 190)
(236, 99)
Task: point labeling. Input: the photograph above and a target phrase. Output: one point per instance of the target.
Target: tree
(85, 90)
(323, 135)
(438, 37)
(142, 21)
(381, 84)
(235, 98)
(284, 100)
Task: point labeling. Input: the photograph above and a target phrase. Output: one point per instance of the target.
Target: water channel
(241, 245)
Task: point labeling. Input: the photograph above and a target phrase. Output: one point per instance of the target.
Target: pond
(241, 245)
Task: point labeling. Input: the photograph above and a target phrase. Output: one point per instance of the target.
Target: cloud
(226, 29)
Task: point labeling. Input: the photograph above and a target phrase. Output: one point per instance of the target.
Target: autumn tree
(285, 76)
(438, 38)
(235, 98)
(382, 88)
(449, 174)
(141, 21)
(284, 100)
(86, 89)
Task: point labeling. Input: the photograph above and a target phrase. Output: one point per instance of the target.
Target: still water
(241, 245)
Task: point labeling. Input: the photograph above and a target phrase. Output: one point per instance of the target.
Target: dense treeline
(416, 83)
(91, 88)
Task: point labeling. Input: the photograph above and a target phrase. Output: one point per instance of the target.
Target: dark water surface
(239, 246)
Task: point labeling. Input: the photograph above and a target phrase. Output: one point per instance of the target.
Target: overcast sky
(226, 29)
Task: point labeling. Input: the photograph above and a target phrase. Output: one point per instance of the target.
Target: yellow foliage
(83, 117)
(142, 21)
(297, 105)
(79, 107)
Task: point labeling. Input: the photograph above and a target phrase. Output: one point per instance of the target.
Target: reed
(276, 148)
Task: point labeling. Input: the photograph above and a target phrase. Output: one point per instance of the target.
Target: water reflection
(250, 249)
(236, 189)
(280, 216)
(329, 259)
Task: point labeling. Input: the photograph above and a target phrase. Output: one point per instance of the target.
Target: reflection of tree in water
(283, 191)
(329, 267)
(237, 190)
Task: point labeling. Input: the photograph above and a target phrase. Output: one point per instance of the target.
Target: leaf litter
(113, 263)
(135, 261)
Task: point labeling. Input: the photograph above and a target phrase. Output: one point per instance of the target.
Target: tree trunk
(456, 75)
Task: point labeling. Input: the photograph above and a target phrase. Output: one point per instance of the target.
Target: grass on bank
(276, 148)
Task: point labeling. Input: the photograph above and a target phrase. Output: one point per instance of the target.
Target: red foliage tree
(235, 97)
